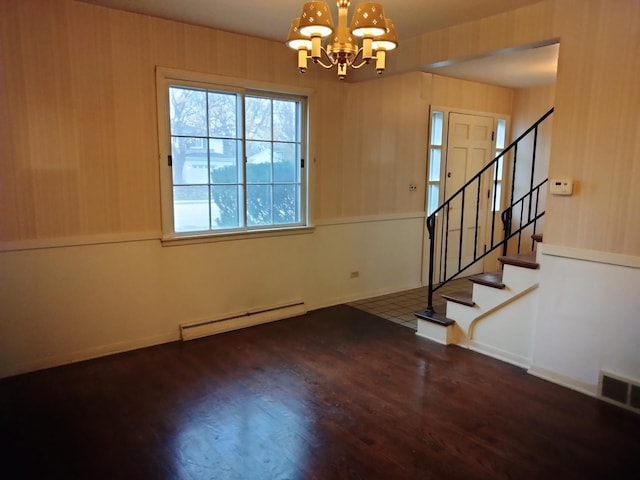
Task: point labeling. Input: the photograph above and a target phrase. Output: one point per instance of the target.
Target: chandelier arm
(321, 63)
(352, 63)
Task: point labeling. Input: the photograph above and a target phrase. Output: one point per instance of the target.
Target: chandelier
(378, 36)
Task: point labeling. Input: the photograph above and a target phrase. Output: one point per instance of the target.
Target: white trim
(564, 381)
(178, 74)
(499, 354)
(370, 219)
(78, 241)
(597, 256)
(89, 353)
(169, 241)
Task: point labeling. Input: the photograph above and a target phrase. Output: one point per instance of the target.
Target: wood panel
(529, 104)
(385, 122)
(465, 95)
(596, 128)
(337, 393)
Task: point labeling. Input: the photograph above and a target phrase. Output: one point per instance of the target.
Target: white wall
(588, 317)
(76, 302)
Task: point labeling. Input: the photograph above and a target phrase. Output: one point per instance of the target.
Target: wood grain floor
(338, 393)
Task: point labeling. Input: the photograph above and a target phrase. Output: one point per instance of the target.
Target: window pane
(433, 197)
(259, 205)
(258, 118)
(259, 162)
(436, 128)
(226, 162)
(285, 162)
(285, 120)
(501, 133)
(434, 165)
(226, 203)
(286, 199)
(188, 112)
(223, 115)
(189, 156)
(190, 208)
(498, 174)
(496, 204)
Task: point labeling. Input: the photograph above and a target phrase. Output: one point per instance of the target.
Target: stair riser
(437, 333)
(518, 279)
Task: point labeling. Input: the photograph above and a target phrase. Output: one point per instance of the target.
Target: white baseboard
(499, 354)
(88, 354)
(564, 381)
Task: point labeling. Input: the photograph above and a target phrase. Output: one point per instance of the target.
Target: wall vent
(619, 390)
(189, 331)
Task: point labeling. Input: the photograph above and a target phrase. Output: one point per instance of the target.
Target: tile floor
(400, 307)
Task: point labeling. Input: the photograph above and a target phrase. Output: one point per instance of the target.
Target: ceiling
(271, 20)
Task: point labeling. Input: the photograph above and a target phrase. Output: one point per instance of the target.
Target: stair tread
(524, 260)
(464, 297)
(488, 279)
(435, 317)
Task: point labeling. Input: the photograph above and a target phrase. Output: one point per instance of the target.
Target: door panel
(469, 149)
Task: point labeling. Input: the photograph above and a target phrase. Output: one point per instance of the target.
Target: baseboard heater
(189, 331)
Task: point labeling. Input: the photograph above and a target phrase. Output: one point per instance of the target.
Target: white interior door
(469, 149)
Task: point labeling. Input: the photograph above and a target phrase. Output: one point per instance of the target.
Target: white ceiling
(271, 19)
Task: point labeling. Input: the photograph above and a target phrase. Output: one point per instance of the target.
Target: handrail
(532, 216)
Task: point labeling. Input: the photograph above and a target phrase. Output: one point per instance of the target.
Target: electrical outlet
(354, 274)
(413, 187)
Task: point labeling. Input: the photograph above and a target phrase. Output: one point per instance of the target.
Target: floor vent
(189, 331)
(619, 391)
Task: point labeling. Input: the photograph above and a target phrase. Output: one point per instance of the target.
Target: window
(435, 160)
(501, 136)
(235, 158)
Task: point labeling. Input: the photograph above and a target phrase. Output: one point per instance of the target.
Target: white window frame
(166, 77)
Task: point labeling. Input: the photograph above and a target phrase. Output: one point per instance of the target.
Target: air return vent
(189, 331)
(620, 391)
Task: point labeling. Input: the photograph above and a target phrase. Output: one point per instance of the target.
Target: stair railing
(528, 207)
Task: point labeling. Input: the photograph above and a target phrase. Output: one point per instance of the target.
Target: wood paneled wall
(464, 95)
(596, 127)
(78, 141)
(78, 133)
(596, 132)
(524, 26)
(529, 104)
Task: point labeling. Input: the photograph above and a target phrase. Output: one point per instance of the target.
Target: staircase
(495, 314)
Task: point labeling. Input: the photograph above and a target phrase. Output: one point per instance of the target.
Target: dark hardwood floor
(337, 393)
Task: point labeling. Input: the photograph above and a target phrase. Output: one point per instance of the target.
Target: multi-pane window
(435, 160)
(501, 136)
(236, 159)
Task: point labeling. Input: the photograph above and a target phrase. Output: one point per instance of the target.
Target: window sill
(191, 239)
